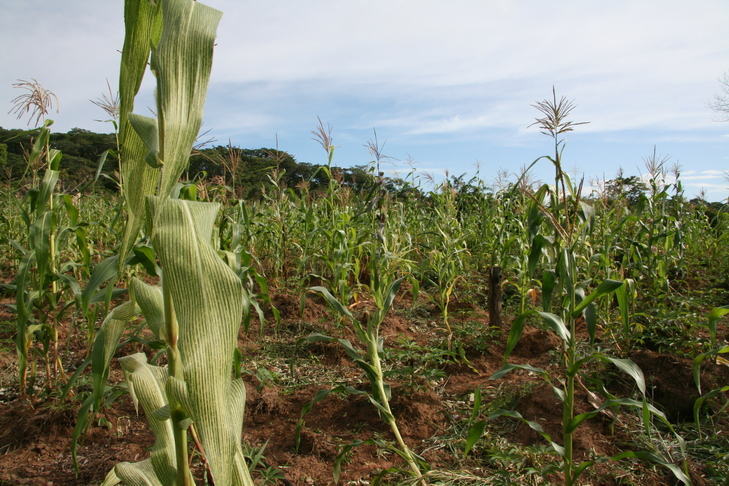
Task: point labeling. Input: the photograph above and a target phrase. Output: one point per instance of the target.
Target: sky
(447, 85)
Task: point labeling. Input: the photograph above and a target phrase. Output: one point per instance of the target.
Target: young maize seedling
(367, 332)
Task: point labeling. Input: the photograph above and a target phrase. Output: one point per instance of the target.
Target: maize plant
(444, 262)
(561, 285)
(385, 259)
(37, 280)
(367, 332)
(197, 313)
(236, 254)
(715, 352)
(198, 308)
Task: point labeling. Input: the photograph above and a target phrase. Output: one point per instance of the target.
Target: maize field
(169, 332)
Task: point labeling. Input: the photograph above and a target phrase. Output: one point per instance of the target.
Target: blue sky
(447, 85)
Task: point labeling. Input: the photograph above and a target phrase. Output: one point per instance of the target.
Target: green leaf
(622, 294)
(475, 431)
(47, 186)
(588, 212)
(549, 280)
(517, 328)
(316, 337)
(368, 369)
(556, 324)
(508, 368)
(390, 294)
(181, 63)
(189, 192)
(532, 425)
(632, 369)
(332, 301)
(149, 299)
(714, 316)
(539, 243)
(143, 25)
(566, 270)
(100, 164)
(700, 403)
(651, 457)
(40, 238)
(206, 295)
(606, 287)
(581, 467)
(138, 474)
(146, 129)
(145, 256)
(105, 346)
(103, 272)
(147, 383)
(696, 369)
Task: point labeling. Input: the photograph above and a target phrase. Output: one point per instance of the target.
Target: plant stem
(184, 476)
(569, 409)
(390, 418)
(571, 371)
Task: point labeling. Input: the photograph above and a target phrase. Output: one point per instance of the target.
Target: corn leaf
(508, 368)
(556, 324)
(613, 403)
(206, 295)
(714, 316)
(143, 23)
(535, 426)
(651, 457)
(517, 327)
(332, 301)
(103, 272)
(106, 344)
(475, 431)
(606, 287)
(135, 474)
(149, 299)
(622, 294)
(553, 321)
(182, 62)
(629, 367)
(148, 385)
(147, 131)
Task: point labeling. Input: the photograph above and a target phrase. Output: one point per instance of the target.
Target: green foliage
(3, 155)
(227, 235)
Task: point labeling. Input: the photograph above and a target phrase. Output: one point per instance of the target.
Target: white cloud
(415, 170)
(708, 185)
(479, 64)
(704, 175)
(629, 65)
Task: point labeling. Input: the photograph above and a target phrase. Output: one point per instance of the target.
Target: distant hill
(245, 170)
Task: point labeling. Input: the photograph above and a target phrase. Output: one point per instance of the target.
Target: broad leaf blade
(604, 288)
(143, 23)
(182, 63)
(206, 295)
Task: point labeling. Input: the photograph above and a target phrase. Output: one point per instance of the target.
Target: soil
(431, 412)
(670, 383)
